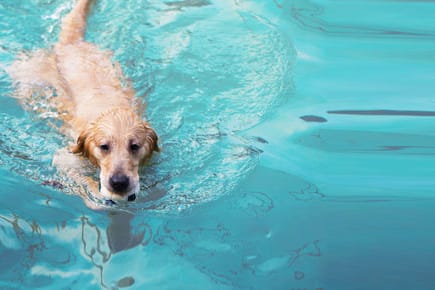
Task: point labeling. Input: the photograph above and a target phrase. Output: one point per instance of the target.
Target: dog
(96, 103)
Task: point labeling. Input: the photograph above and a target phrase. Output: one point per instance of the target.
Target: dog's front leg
(72, 167)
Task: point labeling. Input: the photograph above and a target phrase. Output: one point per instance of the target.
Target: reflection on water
(312, 16)
(297, 143)
(119, 236)
(120, 233)
(31, 254)
(115, 249)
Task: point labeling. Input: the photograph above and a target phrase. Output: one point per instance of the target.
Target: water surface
(298, 149)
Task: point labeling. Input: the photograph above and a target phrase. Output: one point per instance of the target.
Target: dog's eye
(134, 147)
(104, 147)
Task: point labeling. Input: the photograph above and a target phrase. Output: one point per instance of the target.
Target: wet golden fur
(96, 102)
(129, 143)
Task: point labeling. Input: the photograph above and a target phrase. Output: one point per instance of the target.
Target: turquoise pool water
(298, 149)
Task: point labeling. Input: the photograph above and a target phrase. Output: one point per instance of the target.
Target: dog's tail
(74, 24)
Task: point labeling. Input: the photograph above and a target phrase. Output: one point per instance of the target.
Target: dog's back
(86, 79)
(95, 83)
(92, 80)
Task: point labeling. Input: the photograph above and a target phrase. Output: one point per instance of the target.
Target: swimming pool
(298, 149)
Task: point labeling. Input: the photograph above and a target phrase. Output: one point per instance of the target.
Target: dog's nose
(119, 182)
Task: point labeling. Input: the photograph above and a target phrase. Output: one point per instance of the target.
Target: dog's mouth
(131, 197)
(118, 188)
(112, 197)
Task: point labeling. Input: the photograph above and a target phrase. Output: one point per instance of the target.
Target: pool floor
(298, 149)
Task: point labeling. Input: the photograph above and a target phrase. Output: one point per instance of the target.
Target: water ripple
(311, 17)
(206, 73)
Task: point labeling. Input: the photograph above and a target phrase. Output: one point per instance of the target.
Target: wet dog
(97, 105)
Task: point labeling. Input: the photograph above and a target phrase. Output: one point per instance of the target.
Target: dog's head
(118, 142)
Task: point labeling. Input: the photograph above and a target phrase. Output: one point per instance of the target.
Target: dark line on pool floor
(385, 113)
(313, 118)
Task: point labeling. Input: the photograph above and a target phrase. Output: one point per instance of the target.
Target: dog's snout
(119, 182)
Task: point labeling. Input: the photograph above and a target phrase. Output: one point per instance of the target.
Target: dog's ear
(151, 137)
(80, 147)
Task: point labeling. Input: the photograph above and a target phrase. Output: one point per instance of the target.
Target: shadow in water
(121, 234)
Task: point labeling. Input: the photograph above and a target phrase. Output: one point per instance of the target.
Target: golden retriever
(96, 103)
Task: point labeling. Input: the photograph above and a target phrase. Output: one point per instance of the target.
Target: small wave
(206, 77)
